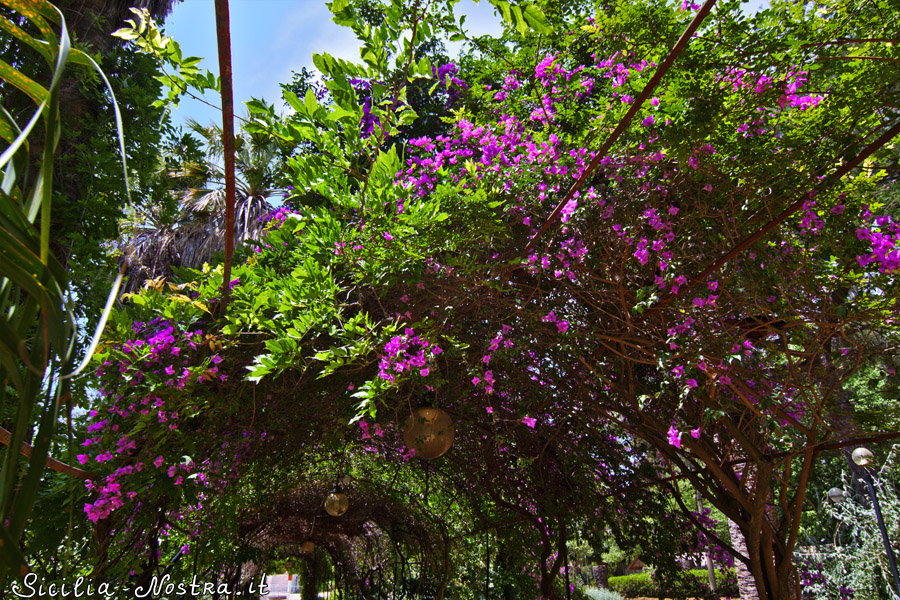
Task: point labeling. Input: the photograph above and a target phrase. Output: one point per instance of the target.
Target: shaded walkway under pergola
(378, 544)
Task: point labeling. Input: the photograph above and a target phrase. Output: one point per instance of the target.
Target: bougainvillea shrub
(602, 327)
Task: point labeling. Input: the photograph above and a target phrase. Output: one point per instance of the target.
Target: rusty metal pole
(223, 36)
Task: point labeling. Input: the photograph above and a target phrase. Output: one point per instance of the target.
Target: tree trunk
(711, 572)
(601, 576)
(769, 576)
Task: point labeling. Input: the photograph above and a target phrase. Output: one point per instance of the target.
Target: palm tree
(154, 244)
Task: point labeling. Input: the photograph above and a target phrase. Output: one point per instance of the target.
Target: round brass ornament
(307, 547)
(429, 432)
(337, 503)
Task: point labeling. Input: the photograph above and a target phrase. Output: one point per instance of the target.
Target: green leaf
(17, 32)
(35, 10)
(126, 33)
(35, 91)
(523, 16)
(386, 165)
(339, 113)
(504, 9)
(519, 20)
(408, 116)
(424, 67)
(293, 101)
(7, 132)
(337, 6)
(311, 102)
(536, 19)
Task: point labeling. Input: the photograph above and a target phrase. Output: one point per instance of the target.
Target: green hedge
(638, 584)
(726, 581)
(693, 585)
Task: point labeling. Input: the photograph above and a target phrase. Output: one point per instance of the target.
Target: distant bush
(726, 581)
(694, 584)
(577, 593)
(637, 584)
(600, 594)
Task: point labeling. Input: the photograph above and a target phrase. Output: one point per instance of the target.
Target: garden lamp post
(863, 457)
(836, 495)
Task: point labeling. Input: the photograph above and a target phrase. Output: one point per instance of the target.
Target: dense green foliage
(38, 330)
(63, 162)
(407, 271)
(685, 312)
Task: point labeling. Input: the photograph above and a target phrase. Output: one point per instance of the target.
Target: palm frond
(203, 200)
(198, 232)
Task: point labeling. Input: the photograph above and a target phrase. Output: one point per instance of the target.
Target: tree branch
(787, 212)
(626, 120)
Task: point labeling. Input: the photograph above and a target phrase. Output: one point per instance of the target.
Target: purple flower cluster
(487, 376)
(884, 236)
(406, 353)
(450, 83)
(363, 88)
(276, 218)
(147, 374)
(480, 150)
(789, 84)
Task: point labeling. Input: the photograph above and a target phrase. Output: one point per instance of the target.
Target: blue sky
(271, 38)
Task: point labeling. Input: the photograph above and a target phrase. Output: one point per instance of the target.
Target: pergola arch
(378, 542)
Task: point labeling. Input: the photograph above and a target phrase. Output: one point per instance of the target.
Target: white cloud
(296, 32)
(480, 18)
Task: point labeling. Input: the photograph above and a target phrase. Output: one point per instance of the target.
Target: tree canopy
(624, 264)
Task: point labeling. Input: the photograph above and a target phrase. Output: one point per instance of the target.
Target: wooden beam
(52, 464)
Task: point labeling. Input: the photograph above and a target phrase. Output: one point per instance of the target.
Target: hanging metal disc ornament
(429, 432)
(337, 503)
(308, 547)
